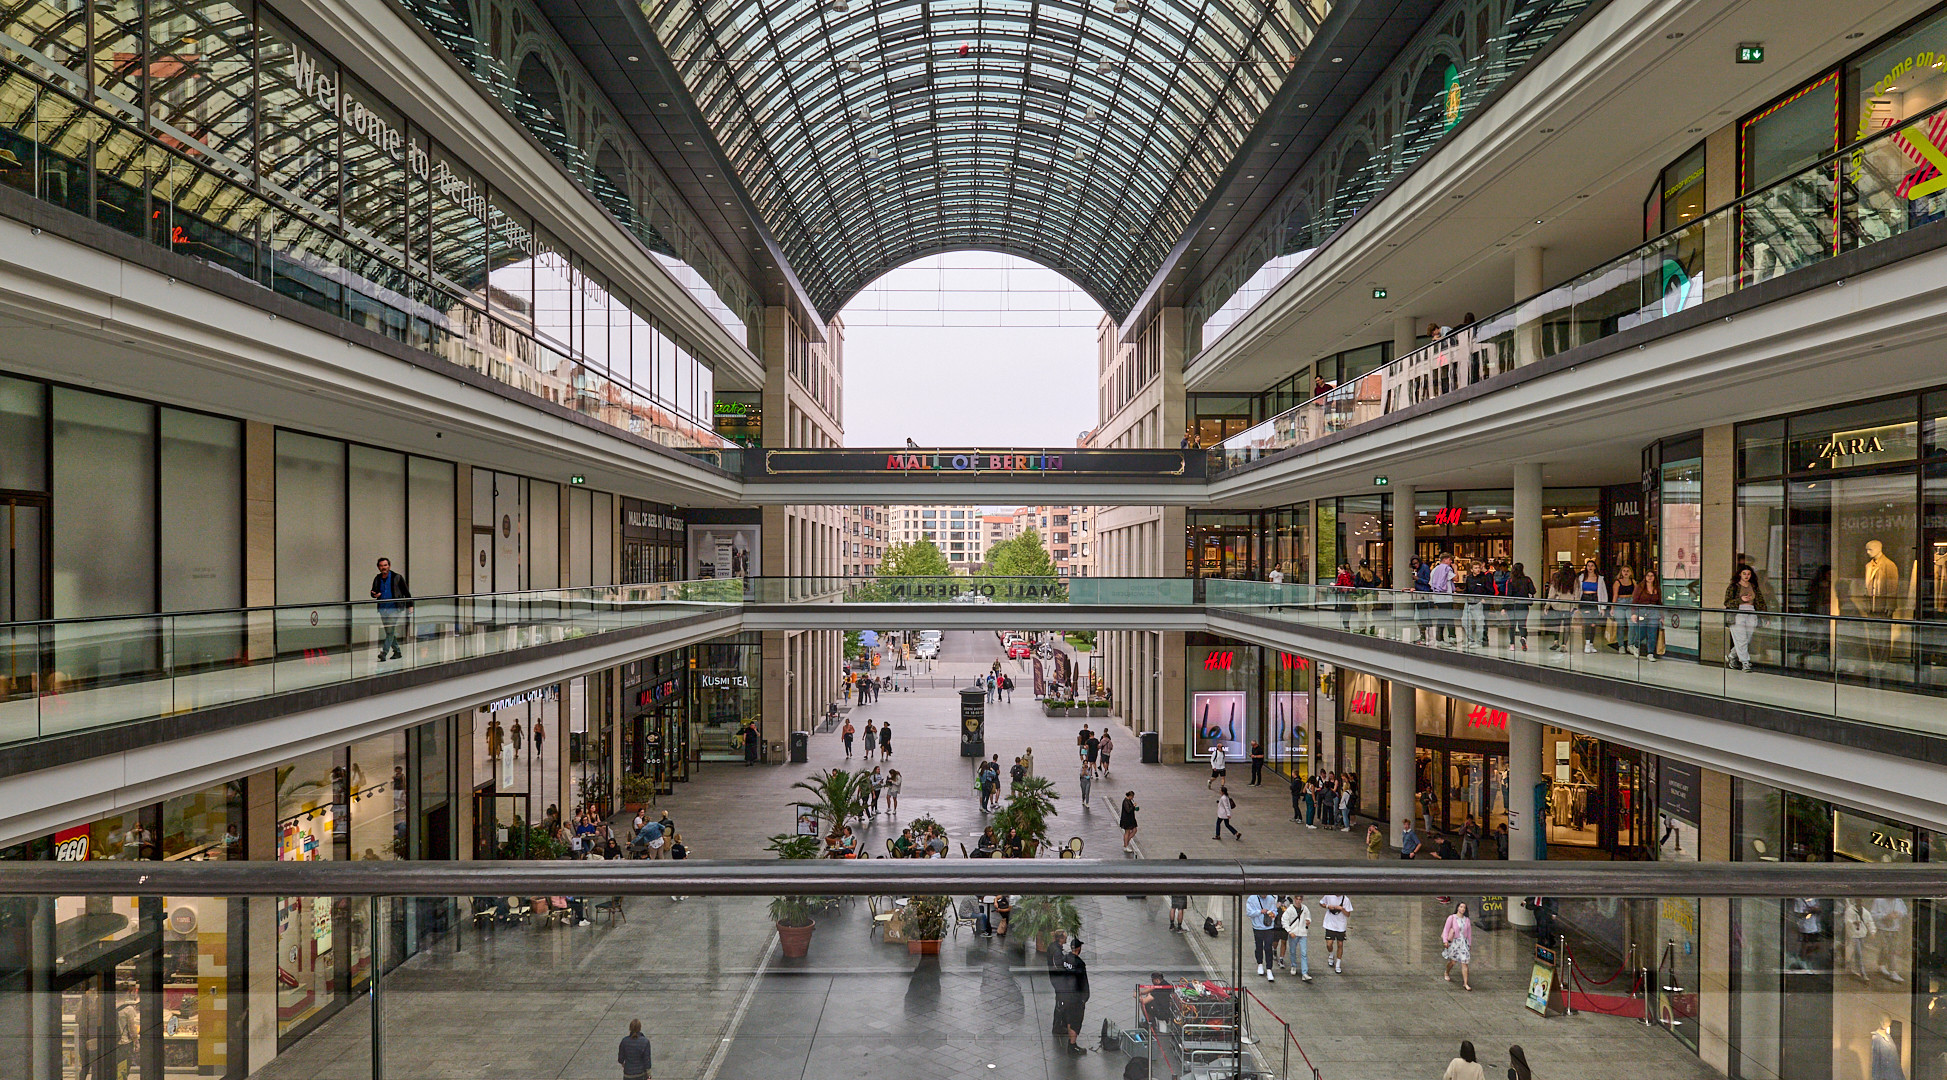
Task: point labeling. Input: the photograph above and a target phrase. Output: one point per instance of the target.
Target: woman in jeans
(1563, 595)
(1623, 591)
(1593, 594)
(1646, 617)
(1522, 588)
(1744, 596)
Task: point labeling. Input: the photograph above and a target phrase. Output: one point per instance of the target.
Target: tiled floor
(720, 1002)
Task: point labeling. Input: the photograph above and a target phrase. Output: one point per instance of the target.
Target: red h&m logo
(1218, 660)
(1366, 703)
(1288, 662)
(1481, 716)
(1452, 515)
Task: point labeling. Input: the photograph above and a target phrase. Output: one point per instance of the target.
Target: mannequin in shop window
(1879, 598)
(1860, 929)
(1886, 1053)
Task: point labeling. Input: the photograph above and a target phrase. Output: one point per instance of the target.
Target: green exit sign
(1380, 481)
(1750, 52)
(577, 479)
(1378, 294)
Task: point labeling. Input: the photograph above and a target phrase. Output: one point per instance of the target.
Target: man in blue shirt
(1440, 583)
(1263, 913)
(388, 589)
(1409, 841)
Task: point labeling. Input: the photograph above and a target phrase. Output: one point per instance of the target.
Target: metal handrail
(846, 877)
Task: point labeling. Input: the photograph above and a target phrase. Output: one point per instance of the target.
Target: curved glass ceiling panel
(871, 132)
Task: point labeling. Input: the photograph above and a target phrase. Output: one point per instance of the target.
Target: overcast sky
(970, 349)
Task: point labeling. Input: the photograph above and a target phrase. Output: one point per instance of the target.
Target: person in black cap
(1069, 974)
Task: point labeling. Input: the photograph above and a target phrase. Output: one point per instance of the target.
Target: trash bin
(800, 747)
(777, 752)
(1152, 748)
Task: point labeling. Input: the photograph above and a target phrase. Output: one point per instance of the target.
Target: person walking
(1345, 804)
(389, 589)
(1092, 754)
(885, 741)
(1128, 820)
(871, 738)
(1746, 597)
(1296, 922)
(1257, 764)
(1441, 583)
(1467, 1066)
(1106, 746)
(846, 735)
(1338, 910)
(1262, 911)
(1179, 905)
(1027, 761)
(634, 1054)
(1217, 763)
(1300, 797)
(1087, 781)
(892, 792)
(878, 788)
(1458, 938)
(1646, 617)
(1068, 974)
(1593, 595)
(1225, 806)
(1521, 589)
(1375, 842)
(1563, 595)
(1409, 839)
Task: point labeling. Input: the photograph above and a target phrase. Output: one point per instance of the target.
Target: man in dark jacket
(389, 589)
(633, 1054)
(1069, 974)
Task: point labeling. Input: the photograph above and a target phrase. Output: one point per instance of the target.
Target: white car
(928, 650)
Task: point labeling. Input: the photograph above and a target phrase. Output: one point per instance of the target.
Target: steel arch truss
(1059, 130)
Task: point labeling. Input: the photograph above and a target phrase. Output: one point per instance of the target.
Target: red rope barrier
(1287, 1029)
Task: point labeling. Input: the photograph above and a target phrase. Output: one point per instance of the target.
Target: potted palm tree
(925, 924)
(1030, 803)
(795, 916)
(838, 796)
(1036, 918)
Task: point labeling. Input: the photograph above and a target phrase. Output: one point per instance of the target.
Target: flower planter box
(929, 947)
(795, 940)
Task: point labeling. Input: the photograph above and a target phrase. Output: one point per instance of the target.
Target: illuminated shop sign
(659, 691)
(976, 462)
(1365, 703)
(1482, 717)
(1288, 662)
(1859, 446)
(738, 681)
(1218, 660)
(545, 693)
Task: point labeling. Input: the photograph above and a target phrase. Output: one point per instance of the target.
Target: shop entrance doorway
(111, 998)
(502, 822)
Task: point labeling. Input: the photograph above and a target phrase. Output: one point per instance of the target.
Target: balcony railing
(1868, 192)
(913, 969)
(1888, 672)
(69, 675)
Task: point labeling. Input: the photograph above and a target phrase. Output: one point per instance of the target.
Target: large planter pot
(928, 947)
(795, 940)
(1052, 710)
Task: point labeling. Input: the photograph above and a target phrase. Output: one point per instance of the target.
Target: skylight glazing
(872, 132)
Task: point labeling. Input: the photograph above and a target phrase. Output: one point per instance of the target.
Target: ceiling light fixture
(1338, 59)
(1122, 7)
(635, 59)
(1673, 35)
(1855, 35)
(854, 66)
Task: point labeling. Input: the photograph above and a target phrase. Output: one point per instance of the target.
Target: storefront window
(312, 826)
(1221, 677)
(1351, 529)
(1287, 689)
(1792, 133)
(205, 826)
(727, 688)
(1571, 527)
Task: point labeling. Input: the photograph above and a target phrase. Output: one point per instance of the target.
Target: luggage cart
(1202, 1039)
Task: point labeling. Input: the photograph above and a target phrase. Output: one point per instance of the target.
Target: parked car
(1019, 651)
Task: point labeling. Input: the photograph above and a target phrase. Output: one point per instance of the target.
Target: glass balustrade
(1880, 671)
(896, 970)
(71, 675)
(1846, 200)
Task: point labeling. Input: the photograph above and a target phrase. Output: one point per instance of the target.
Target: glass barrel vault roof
(872, 132)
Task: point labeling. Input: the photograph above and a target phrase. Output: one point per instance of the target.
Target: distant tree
(1021, 556)
(916, 558)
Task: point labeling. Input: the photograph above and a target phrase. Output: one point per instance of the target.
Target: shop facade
(1240, 695)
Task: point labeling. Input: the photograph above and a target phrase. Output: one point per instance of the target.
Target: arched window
(542, 94)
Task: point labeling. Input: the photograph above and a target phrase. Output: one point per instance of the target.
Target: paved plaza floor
(720, 1001)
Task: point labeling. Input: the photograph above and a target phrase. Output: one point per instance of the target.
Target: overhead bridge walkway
(97, 712)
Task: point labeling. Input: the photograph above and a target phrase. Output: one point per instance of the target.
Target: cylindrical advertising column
(973, 722)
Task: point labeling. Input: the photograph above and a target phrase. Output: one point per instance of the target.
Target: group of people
(1281, 929)
(930, 844)
(878, 738)
(866, 686)
(1324, 800)
(987, 778)
(998, 684)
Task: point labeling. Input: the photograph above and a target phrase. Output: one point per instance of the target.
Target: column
(1524, 772)
(258, 960)
(1528, 541)
(1400, 712)
(1405, 529)
(1718, 535)
(1405, 334)
(1714, 928)
(1527, 282)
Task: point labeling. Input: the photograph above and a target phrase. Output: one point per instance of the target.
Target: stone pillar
(777, 685)
(1400, 713)
(1714, 928)
(1719, 539)
(1405, 528)
(260, 536)
(1528, 541)
(1527, 282)
(463, 782)
(1406, 334)
(1524, 772)
(260, 947)
(1720, 187)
